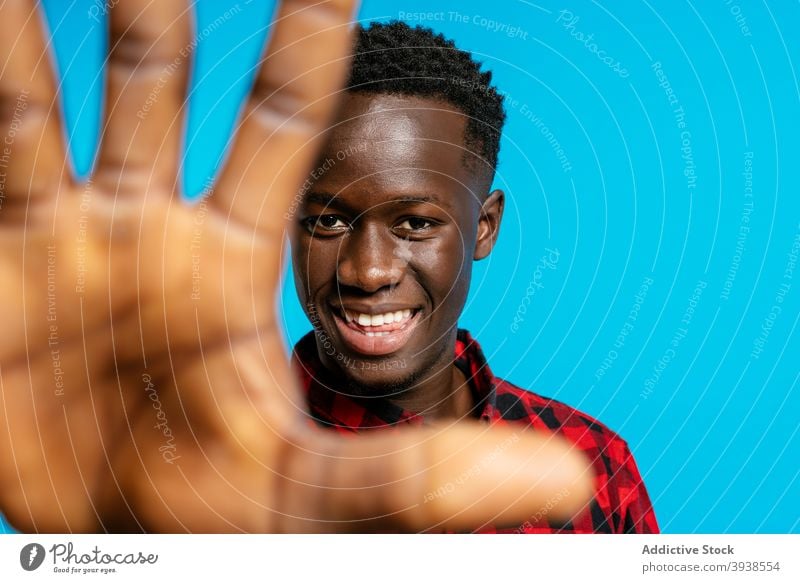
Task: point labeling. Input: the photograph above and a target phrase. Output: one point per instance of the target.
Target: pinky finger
(32, 149)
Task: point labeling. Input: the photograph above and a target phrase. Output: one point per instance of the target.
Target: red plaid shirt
(620, 504)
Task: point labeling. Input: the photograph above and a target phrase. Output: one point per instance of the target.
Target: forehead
(391, 142)
(389, 117)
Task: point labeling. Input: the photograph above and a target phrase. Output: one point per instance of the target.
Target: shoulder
(516, 404)
(621, 502)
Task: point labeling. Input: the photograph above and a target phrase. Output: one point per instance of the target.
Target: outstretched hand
(143, 375)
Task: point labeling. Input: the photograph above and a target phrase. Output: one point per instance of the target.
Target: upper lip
(372, 310)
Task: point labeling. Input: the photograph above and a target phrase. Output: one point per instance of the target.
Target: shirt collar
(334, 409)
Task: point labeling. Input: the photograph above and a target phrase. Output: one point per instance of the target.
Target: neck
(443, 395)
(441, 392)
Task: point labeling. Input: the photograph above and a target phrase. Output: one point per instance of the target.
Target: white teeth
(377, 319)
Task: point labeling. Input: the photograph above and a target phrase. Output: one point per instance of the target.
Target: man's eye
(325, 223)
(415, 224)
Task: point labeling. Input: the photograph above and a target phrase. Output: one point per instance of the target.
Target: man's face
(385, 236)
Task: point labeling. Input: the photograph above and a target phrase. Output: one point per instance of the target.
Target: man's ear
(489, 224)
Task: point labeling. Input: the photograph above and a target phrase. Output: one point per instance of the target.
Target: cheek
(299, 266)
(446, 269)
(314, 265)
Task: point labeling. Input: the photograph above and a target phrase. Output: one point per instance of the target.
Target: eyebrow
(331, 200)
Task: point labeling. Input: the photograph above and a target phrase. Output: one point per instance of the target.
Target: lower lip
(359, 342)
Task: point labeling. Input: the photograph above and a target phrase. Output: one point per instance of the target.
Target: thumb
(455, 477)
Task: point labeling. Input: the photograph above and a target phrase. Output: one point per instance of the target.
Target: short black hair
(395, 58)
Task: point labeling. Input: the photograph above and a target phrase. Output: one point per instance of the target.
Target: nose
(372, 258)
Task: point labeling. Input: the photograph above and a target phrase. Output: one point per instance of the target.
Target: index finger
(293, 98)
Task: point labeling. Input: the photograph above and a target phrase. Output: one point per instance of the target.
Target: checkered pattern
(620, 504)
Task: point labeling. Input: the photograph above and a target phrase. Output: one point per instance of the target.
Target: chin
(385, 377)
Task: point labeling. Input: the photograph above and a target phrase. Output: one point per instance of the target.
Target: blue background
(713, 426)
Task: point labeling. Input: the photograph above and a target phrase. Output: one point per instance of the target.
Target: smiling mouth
(378, 334)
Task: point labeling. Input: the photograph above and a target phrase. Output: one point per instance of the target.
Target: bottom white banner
(405, 558)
